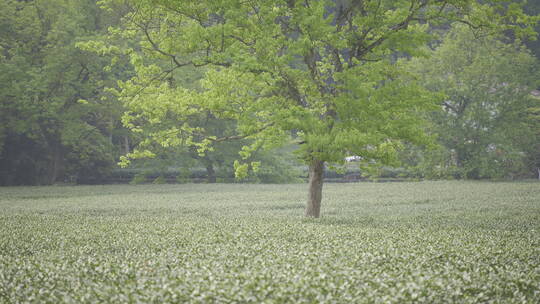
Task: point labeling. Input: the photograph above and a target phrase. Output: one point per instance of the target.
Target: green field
(426, 242)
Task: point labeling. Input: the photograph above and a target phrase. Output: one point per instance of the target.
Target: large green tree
(323, 72)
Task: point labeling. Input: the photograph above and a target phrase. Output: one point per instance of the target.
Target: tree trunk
(316, 170)
(56, 164)
(126, 145)
(211, 173)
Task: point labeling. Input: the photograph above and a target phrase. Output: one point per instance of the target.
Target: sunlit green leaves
(316, 69)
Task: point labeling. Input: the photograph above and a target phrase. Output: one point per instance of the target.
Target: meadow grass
(425, 242)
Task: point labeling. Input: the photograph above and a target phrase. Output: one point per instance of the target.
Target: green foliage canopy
(324, 71)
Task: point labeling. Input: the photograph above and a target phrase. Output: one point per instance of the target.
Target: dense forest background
(61, 120)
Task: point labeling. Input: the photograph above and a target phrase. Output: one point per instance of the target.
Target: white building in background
(353, 158)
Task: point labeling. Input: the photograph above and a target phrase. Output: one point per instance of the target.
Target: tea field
(425, 242)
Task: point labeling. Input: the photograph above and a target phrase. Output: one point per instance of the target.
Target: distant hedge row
(199, 175)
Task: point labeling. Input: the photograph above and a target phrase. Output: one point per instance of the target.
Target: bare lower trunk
(126, 145)
(316, 170)
(56, 165)
(211, 173)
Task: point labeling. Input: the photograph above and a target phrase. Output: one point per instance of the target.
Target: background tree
(484, 124)
(56, 120)
(533, 8)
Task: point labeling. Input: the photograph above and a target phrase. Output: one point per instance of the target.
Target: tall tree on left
(55, 120)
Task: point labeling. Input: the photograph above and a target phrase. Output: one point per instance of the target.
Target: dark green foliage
(484, 126)
(57, 123)
(431, 242)
(533, 8)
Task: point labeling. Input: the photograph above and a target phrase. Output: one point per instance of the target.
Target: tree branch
(237, 137)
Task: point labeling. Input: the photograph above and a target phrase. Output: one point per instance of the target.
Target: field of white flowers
(425, 242)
